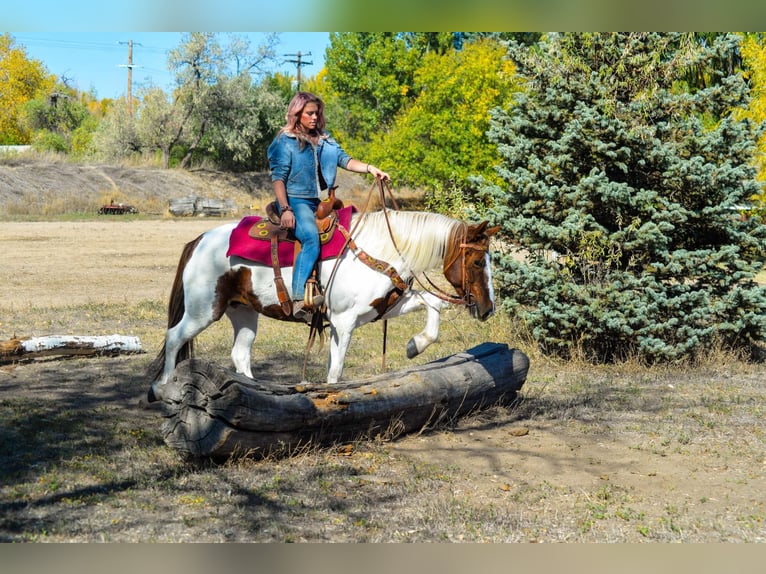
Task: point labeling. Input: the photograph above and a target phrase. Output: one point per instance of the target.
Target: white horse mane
(421, 238)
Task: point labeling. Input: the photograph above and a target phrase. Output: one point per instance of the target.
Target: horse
(372, 279)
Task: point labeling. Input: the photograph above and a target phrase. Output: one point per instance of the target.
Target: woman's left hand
(377, 173)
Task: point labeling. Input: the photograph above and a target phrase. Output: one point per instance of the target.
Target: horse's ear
(478, 229)
(481, 229)
(490, 231)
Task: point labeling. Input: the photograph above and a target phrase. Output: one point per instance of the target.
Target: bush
(44, 141)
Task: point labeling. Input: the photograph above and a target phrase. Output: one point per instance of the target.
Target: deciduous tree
(754, 56)
(21, 80)
(372, 75)
(440, 140)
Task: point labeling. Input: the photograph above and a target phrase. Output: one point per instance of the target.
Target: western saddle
(326, 222)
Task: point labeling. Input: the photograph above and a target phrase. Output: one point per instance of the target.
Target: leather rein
(399, 284)
(435, 290)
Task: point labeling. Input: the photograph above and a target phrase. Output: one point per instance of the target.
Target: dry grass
(607, 454)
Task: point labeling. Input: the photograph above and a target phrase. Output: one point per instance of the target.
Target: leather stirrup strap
(282, 295)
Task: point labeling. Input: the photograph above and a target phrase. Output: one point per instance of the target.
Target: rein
(435, 290)
(380, 266)
(441, 293)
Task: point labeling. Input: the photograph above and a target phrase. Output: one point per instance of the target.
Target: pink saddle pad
(241, 244)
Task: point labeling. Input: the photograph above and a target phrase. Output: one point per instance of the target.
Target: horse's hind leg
(416, 301)
(178, 341)
(244, 320)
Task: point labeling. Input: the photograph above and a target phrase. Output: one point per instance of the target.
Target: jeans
(306, 232)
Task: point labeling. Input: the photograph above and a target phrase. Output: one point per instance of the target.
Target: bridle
(467, 299)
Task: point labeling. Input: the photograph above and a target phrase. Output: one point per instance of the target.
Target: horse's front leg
(416, 301)
(340, 339)
(244, 320)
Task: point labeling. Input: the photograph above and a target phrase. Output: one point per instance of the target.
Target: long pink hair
(294, 111)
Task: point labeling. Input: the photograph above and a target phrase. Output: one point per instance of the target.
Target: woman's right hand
(287, 220)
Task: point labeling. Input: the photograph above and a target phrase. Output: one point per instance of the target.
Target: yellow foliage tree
(753, 50)
(440, 140)
(22, 80)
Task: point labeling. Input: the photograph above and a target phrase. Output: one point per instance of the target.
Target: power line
(299, 63)
(130, 74)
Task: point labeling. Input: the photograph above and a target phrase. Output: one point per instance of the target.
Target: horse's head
(467, 268)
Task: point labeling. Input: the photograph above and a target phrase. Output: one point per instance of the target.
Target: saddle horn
(328, 205)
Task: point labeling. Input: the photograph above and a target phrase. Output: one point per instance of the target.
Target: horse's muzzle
(481, 315)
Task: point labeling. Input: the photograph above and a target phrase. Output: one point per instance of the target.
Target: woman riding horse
(304, 159)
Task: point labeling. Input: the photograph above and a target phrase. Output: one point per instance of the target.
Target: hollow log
(33, 347)
(213, 412)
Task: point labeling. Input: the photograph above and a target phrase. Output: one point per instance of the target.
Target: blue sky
(97, 60)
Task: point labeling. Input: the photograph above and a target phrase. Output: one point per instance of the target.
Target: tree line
(628, 166)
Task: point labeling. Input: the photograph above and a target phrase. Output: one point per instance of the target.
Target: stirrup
(316, 302)
(301, 311)
(312, 296)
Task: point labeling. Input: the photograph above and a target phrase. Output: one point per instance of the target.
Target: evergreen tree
(624, 187)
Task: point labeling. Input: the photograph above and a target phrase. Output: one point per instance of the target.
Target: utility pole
(299, 63)
(130, 75)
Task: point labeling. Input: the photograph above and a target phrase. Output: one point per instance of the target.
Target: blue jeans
(306, 232)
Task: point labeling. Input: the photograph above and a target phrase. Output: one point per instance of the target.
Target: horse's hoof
(412, 349)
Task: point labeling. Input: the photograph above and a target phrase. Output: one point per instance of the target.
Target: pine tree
(623, 183)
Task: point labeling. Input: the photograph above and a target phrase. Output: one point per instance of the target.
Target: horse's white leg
(245, 322)
(190, 325)
(416, 301)
(340, 339)
(198, 315)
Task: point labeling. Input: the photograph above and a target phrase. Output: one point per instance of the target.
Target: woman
(304, 160)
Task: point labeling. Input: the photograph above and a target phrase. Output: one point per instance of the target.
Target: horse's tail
(176, 311)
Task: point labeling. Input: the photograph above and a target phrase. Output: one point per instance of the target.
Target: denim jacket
(297, 167)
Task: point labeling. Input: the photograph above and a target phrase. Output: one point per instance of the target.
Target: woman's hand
(287, 219)
(377, 173)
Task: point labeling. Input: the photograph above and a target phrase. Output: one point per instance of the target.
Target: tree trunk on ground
(33, 347)
(213, 412)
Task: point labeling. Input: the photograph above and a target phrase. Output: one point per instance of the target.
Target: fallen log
(33, 347)
(213, 412)
(195, 205)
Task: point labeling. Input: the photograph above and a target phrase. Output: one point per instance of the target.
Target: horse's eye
(479, 263)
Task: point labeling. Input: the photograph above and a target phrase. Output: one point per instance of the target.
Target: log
(183, 206)
(213, 412)
(195, 205)
(33, 347)
(214, 207)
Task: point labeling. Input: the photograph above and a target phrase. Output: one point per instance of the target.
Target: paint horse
(371, 279)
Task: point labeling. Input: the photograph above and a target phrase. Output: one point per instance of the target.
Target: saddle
(271, 229)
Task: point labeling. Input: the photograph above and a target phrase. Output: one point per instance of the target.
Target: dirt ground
(607, 454)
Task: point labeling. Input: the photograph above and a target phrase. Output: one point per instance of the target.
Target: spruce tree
(623, 184)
